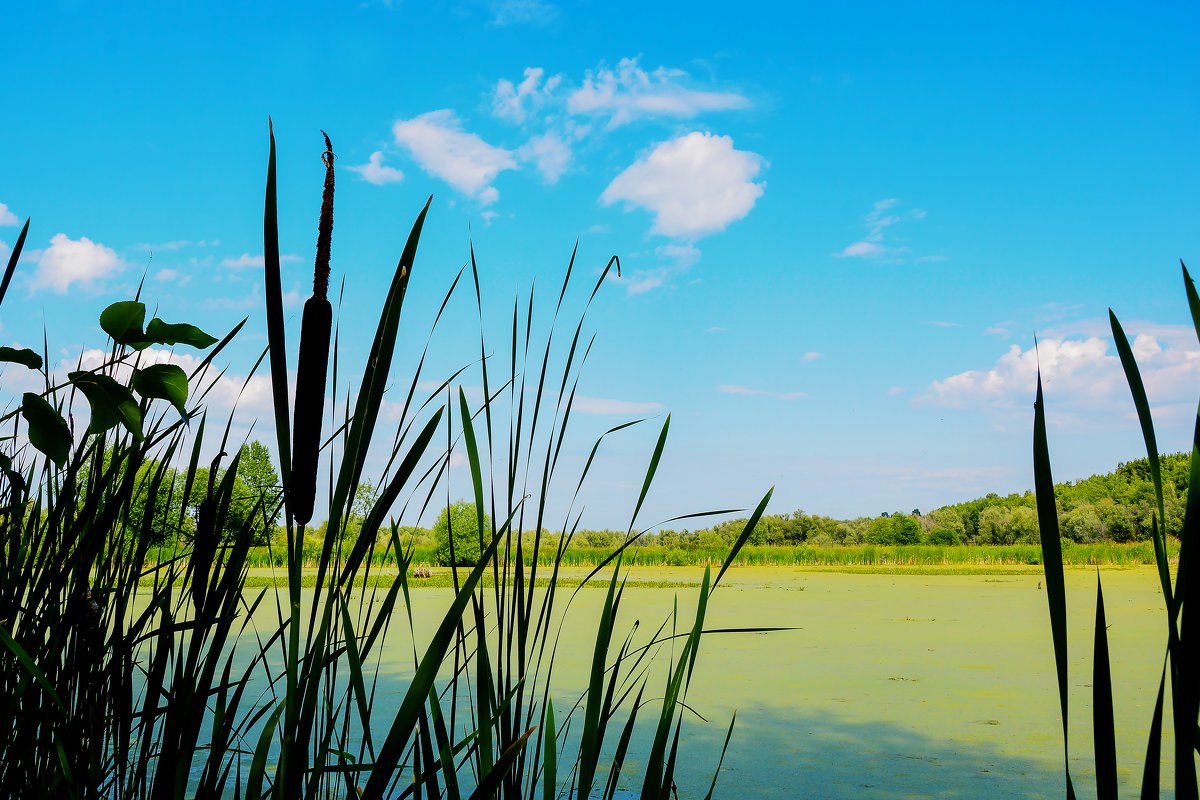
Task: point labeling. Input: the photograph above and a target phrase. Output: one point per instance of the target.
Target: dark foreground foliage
(127, 676)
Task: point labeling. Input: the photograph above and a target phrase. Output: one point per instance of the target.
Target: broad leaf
(164, 382)
(123, 322)
(159, 332)
(24, 356)
(48, 431)
(110, 401)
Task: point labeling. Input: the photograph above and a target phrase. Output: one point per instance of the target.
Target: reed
(1181, 657)
(133, 671)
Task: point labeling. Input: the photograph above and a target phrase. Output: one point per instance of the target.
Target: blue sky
(840, 227)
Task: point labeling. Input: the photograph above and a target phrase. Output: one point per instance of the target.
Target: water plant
(130, 674)
(1181, 660)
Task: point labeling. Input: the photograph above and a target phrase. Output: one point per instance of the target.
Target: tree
(905, 529)
(258, 475)
(459, 524)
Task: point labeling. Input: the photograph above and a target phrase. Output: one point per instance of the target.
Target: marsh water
(889, 686)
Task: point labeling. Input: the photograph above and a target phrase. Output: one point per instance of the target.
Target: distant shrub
(943, 536)
(459, 523)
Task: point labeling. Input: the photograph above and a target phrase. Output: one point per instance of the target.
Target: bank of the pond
(850, 556)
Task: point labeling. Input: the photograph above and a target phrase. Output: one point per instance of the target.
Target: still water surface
(891, 686)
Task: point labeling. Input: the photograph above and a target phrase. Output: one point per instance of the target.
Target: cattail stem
(313, 363)
(325, 227)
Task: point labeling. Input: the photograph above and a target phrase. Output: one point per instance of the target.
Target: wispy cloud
(516, 102)
(376, 172)
(938, 323)
(549, 153)
(813, 355)
(245, 261)
(746, 390)
(630, 92)
(6, 216)
(873, 245)
(523, 12)
(462, 159)
(694, 185)
(999, 329)
(895, 390)
(674, 260)
(74, 261)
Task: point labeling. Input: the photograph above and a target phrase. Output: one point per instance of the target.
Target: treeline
(1115, 507)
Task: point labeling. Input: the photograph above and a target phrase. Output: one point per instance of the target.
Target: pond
(889, 686)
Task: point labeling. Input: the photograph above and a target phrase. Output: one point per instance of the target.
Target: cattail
(313, 362)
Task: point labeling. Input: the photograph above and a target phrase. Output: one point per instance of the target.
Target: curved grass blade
(31, 668)
(721, 760)
(491, 782)
(1134, 378)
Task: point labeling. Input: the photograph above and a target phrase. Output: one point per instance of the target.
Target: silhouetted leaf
(164, 382)
(24, 356)
(159, 332)
(48, 431)
(123, 322)
(110, 402)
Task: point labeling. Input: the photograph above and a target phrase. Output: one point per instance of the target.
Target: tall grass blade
(13, 258)
(276, 339)
(1154, 744)
(1051, 561)
(550, 755)
(1134, 378)
(1103, 729)
(745, 534)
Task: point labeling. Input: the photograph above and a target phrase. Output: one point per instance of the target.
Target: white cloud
(684, 255)
(939, 323)
(695, 184)
(602, 405)
(246, 260)
(861, 249)
(6, 216)
(1081, 376)
(526, 12)
(67, 261)
(515, 103)
(226, 392)
(169, 275)
(462, 159)
(716, 329)
(812, 355)
(376, 172)
(999, 329)
(746, 390)
(895, 390)
(549, 152)
(629, 92)
(877, 222)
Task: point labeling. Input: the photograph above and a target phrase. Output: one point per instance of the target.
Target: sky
(840, 227)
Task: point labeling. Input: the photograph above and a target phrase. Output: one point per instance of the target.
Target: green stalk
(313, 362)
